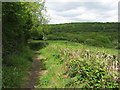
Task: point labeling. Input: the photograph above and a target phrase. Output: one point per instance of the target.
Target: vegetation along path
(37, 70)
(75, 65)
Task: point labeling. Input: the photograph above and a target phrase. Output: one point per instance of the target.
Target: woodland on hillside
(69, 55)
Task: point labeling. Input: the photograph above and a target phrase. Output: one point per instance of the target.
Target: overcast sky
(66, 11)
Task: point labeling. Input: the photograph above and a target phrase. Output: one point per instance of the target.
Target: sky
(67, 11)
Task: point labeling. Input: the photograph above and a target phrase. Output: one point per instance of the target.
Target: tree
(20, 20)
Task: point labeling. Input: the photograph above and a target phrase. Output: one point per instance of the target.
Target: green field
(74, 65)
(36, 54)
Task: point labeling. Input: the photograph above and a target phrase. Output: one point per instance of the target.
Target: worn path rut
(36, 70)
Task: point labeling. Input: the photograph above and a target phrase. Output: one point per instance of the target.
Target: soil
(36, 70)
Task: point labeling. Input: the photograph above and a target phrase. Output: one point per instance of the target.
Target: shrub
(86, 72)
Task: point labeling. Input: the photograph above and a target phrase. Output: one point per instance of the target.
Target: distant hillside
(84, 27)
(94, 34)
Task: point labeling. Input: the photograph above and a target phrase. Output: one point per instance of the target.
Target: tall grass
(74, 65)
(53, 78)
(16, 69)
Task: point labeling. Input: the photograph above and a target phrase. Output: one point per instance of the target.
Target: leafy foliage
(74, 65)
(20, 20)
(95, 34)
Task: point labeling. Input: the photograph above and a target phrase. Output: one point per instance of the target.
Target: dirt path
(36, 71)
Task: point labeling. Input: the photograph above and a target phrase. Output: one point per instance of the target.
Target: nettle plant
(88, 69)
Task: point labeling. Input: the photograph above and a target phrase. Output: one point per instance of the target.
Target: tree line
(20, 21)
(90, 33)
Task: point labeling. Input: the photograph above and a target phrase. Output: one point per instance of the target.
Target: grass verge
(74, 65)
(16, 69)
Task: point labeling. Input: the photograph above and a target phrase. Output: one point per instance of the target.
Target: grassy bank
(74, 65)
(16, 69)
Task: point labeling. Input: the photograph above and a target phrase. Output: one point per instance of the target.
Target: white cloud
(78, 10)
(56, 19)
(89, 16)
(105, 1)
(65, 11)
